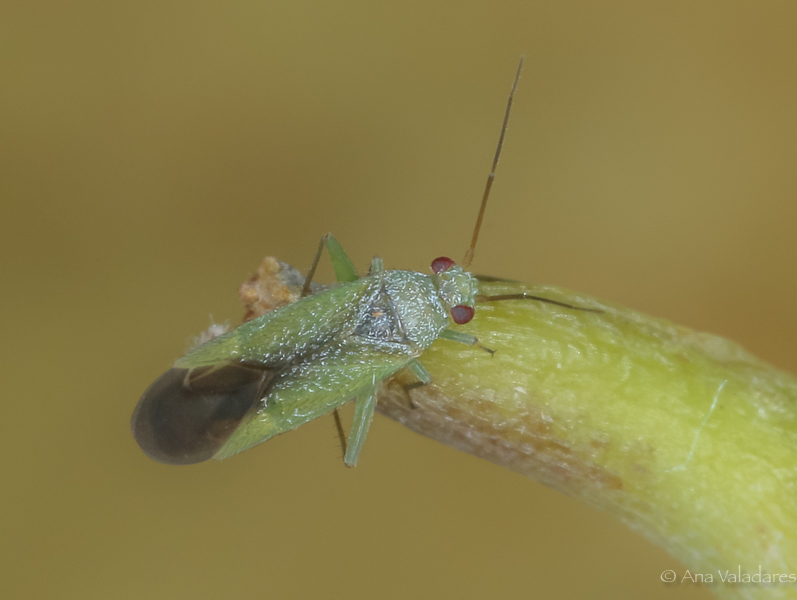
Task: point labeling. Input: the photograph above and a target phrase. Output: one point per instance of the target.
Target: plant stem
(683, 436)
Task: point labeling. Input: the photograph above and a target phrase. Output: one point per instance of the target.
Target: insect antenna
(469, 254)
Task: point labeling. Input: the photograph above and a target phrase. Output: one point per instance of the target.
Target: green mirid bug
(304, 360)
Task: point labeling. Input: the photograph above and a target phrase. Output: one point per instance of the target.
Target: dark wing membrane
(186, 415)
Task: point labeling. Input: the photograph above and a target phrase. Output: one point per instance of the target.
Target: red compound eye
(442, 263)
(462, 314)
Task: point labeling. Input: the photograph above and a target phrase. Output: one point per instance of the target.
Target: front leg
(463, 338)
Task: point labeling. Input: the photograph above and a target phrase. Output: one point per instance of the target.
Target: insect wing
(191, 410)
(282, 335)
(313, 388)
(186, 415)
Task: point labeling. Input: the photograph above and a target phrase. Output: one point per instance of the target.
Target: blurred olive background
(152, 153)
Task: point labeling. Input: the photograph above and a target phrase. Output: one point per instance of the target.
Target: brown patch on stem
(524, 442)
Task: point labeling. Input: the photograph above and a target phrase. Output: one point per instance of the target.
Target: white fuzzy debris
(214, 331)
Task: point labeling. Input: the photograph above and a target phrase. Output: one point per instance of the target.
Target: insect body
(306, 359)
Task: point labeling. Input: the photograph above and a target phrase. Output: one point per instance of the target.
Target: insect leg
(424, 378)
(463, 338)
(344, 268)
(363, 414)
(527, 296)
(420, 371)
(377, 266)
(339, 427)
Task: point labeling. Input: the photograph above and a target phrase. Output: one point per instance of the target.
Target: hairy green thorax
(417, 306)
